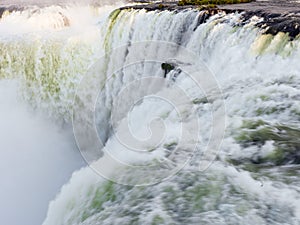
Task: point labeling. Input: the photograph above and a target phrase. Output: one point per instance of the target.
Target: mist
(38, 157)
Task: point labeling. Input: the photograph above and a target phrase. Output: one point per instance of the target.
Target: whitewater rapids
(255, 177)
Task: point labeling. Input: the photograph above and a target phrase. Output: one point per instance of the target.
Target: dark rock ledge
(9, 9)
(278, 15)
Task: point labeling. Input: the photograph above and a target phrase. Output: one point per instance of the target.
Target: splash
(259, 77)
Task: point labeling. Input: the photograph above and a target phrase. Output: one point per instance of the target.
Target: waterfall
(99, 66)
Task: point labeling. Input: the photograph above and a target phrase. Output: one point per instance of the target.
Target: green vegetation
(113, 19)
(157, 220)
(104, 194)
(211, 3)
(193, 194)
(170, 146)
(285, 141)
(253, 124)
(209, 6)
(198, 101)
(269, 110)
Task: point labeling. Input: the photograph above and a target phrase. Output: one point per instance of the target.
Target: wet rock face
(161, 6)
(278, 15)
(2, 10)
(167, 67)
(288, 24)
(274, 22)
(10, 9)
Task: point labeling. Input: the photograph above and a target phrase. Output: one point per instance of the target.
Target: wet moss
(157, 220)
(285, 141)
(49, 67)
(254, 168)
(264, 97)
(30, 63)
(242, 209)
(169, 190)
(269, 110)
(292, 172)
(170, 146)
(112, 21)
(191, 196)
(198, 101)
(200, 193)
(278, 44)
(253, 124)
(103, 194)
(257, 137)
(277, 156)
(247, 165)
(262, 43)
(296, 112)
(134, 221)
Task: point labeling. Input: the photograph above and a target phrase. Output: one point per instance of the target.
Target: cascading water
(39, 153)
(254, 179)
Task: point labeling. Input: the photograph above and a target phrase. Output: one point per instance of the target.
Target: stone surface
(279, 15)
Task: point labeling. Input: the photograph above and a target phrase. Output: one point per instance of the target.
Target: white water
(38, 152)
(258, 74)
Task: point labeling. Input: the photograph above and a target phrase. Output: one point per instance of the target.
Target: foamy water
(257, 74)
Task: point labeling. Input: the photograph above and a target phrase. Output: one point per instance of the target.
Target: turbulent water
(255, 176)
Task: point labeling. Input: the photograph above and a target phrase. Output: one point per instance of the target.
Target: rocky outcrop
(167, 67)
(9, 9)
(274, 21)
(278, 15)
